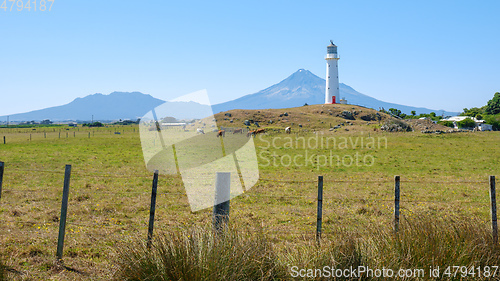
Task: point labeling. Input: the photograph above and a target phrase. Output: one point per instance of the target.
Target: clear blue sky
(436, 54)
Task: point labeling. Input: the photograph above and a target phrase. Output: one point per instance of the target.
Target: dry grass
(421, 243)
(198, 254)
(443, 176)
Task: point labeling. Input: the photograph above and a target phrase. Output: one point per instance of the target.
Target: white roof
(460, 118)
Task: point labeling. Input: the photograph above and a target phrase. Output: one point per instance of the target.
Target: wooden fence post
(494, 225)
(152, 209)
(44, 135)
(396, 203)
(320, 209)
(3, 139)
(2, 165)
(64, 211)
(89, 135)
(220, 218)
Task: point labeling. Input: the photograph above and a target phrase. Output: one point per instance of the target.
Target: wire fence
(98, 219)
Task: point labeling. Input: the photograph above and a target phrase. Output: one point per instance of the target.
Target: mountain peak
(302, 87)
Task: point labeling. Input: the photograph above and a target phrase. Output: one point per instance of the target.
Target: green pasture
(442, 176)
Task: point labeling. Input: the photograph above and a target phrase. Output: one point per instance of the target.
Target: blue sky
(435, 54)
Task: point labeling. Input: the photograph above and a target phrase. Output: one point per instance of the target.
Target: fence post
(3, 139)
(494, 225)
(220, 218)
(396, 203)
(152, 209)
(2, 164)
(89, 135)
(44, 135)
(320, 209)
(64, 211)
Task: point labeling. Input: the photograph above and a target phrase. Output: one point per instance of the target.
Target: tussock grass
(421, 243)
(197, 255)
(426, 241)
(2, 272)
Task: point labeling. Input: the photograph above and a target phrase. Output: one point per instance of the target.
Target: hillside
(319, 117)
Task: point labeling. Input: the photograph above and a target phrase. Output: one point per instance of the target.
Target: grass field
(443, 177)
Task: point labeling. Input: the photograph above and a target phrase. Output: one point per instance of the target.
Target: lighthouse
(332, 74)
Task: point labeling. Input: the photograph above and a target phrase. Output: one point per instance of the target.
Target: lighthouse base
(333, 101)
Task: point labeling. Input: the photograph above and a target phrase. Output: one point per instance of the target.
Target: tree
(493, 106)
(479, 117)
(433, 114)
(395, 112)
(472, 112)
(413, 112)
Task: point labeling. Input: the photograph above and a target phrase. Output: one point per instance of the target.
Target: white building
(332, 75)
(480, 125)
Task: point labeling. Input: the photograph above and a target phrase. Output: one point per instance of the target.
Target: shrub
(95, 124)
(396, 126)
(447, 124)
(466, 123)
(494, 121)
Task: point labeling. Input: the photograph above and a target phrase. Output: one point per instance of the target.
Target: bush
(494, 121)
(447, 124)
(95, 124)
(466, 123)
(396, 126)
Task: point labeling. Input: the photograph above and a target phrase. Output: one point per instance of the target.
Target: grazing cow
(200, 131)
(236, 131)
(256, 132)
(288, 130)
(221, 133)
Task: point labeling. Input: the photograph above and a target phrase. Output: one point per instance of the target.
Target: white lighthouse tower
(332, 74)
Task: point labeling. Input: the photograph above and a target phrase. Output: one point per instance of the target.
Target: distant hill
(117, 105)
(304, 87)
(299, 88)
